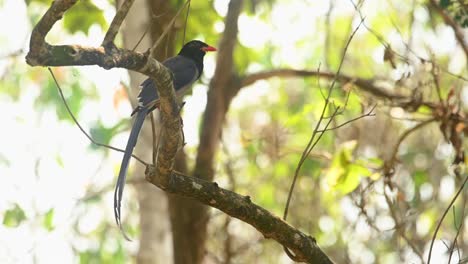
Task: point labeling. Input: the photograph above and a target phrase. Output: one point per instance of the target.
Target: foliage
(14, 216)
(458, 9)
(344, 185)
(82, 16)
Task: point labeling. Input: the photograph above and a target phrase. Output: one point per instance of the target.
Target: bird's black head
(195, 50)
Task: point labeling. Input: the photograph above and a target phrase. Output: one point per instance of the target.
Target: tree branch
(367, 85)
(43, 54)
(241, 207)
(162, 175)
(459, 34)
(117, 22)
(221, 92)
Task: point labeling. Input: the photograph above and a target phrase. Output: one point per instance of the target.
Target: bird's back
(184, 74)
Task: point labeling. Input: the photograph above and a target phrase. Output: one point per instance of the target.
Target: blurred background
(371, 191)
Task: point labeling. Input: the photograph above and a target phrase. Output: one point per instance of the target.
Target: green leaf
(82, 16)
(375, 162)
(103, 134)
(75, 93)
(14, 217)
(344, 174)
(59, 161)
(444, 3)
(349, 181)
(48, 221)
(419, 178)
(266, 195)
(89, 256)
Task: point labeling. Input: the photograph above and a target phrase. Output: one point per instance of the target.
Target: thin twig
(459, 32)
(399, 227)
(153, 17)
(305, 154)
(167, 29)
(386, 44)
(436, 78)
(311, 143)
(370, 113)
(458, 228)
(142, 37)
(117, 22)
(153, 132)
(404, 136)
(186, 20)
(442, 218)
(81, 128)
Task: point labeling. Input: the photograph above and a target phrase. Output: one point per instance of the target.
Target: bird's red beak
(208, 48)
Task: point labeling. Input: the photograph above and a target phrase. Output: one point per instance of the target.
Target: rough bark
(155, 239)
(222, 89)
(184, 214)
(194, 216)
(305, 247)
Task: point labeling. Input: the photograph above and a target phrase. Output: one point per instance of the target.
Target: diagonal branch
(162, 175)
(459, 34)
(117, 22)
(44, 54)
(393, 158)
(243, 208)
(367, 85)
(168, 28)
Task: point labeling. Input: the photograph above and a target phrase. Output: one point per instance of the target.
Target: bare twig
(81, 128)
(369, 113)
(117, 22)
(186, 20)
(458, 228)
(311, 142)
(459, 34)
(310, 146)
(436, 79)
(153, 132)
(328, 33)
(153, 17)
(367, 85)
(408, 132)
(442, 218)
(399, 227)
(406, 59)
(167, 29)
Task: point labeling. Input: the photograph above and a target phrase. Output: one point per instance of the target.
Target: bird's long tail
(124, 166)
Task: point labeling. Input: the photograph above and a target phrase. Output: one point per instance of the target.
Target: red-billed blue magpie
(186, 68)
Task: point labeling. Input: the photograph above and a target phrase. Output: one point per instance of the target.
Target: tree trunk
(155, 238)
(188, 218)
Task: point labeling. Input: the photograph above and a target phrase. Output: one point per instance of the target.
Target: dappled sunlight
(389, 158)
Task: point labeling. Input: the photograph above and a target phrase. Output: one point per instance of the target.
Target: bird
(186, 68)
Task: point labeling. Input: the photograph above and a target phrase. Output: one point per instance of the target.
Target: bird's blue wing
(184, 72)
